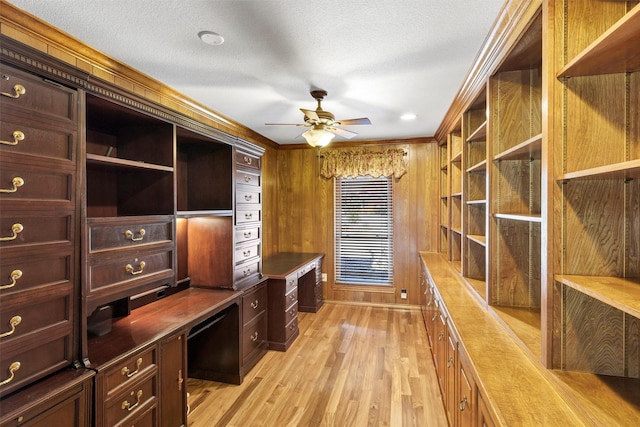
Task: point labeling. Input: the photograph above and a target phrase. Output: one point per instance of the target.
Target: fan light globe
(318, 136)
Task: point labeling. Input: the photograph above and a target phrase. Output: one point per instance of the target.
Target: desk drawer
(254, 335)
(27, 136)
(290, 329)
(291, 282)
(247, 160)
(254, 303)
(133, 402)
(248, 178)
(252, 214)
(247, 252)
(247, 234)
(32, 227)
(291, 313)
(246, 270)
(126, 372)
(24, 268)
(23, 182)
(248, 195)
(129, 232)
(291, 298)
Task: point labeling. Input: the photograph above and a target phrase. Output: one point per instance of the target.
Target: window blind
(364, 231)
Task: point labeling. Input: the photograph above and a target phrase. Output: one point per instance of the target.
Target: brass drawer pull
(248, 215)
(130, 235)
(131, 271)
(17, 137)
(248, 197)
(15, 183)
(12, 371)
(17, 89)
(125, 371)
(292, 312)
(440, 336)
(292, 297)
(254, 304)
(247, 234)
(463, 404)
(247, 178)
(15, 275)
(450, 362)
(254, 336)
(13, 322)
(435, 315)
(180, 379)
(15, 230)
(247, 160)
(128, 406)
(246, 271)
(246, 253)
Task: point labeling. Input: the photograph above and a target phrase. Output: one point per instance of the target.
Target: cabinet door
(484, 418)
(466, 395)
(173, 395)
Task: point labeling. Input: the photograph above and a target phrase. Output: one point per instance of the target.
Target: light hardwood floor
(351, 366)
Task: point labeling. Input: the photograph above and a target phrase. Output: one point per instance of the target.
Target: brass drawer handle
(17, 137)
(247, 178)
(246, 253)
(247, 160)
(292, 297)
(450, 362)
(131, 271)
(130, 235)
(292, 312)
(435, 315)
(15, 230)
(254, 304)
(246, 271)
(15, 275)
(440, 336)
(180, 379)
(248, 197)
(463, 404)
(247, 234)
(13, 322)
(248, 215)
(12, 371)
(128, 406)
(15, 183)
(17, 89)
(254, 336)
(125, 371)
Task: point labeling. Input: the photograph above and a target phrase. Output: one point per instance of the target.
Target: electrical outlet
(324, 277)
(403, 294)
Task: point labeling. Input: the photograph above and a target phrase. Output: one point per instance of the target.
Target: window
(364, 231)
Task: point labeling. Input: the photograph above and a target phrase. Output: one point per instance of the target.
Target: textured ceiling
(376, 58)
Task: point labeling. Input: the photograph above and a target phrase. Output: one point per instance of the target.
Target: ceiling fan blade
(341, 132)
(310, 114)
(351, 122)
(286, 124)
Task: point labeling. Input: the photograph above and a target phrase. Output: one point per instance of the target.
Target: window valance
(363, 161)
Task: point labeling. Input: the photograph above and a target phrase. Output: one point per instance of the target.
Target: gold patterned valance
(363, 161)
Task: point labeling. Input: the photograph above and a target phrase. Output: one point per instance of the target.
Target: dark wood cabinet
(38, 267)
(173, 380)
(254, 325)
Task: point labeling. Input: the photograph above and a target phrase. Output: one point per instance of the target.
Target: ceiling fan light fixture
(317, 136)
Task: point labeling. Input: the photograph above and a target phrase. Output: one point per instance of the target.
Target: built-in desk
(295, 284)
(145, 355)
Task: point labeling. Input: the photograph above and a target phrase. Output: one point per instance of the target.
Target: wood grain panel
(593, 335)
(305, 213)
(632, 246)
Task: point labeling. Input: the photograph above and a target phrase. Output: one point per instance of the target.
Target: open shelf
(615, 51)
(519, 217)
(193, 214)
(479, 134)
(476, 202)
(618, 292)
(622, 170)
(524, 323)
(477, 238)
(457, 157)
(97, 160)
(478, 167)
(529, 149)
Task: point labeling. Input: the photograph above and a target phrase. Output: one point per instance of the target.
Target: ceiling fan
(322, 124)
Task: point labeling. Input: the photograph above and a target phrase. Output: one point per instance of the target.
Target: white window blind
(364, 231)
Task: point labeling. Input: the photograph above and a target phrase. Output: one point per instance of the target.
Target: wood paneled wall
(302, 217)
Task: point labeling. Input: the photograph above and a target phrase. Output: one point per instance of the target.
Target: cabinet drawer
(247, 160)
(248, 178)
(254, 334)
(27, 228)
(307, 268)
(247, 252)
(291, 313)
(35, 95)
(126, 271)
(31, 315)
(248, 195)
(123, 374)
(291, 282)
(133, 403)
(254, 303)
(23, 269)
(244, 215)
(247, 270)
(22, 182)
(290, 329)
(27, 136)
(35, 360)
(129, 232)
(247, 234)
(291, 298)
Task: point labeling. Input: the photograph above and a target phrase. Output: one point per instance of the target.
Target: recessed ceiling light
(209, 37)
(408, 116)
